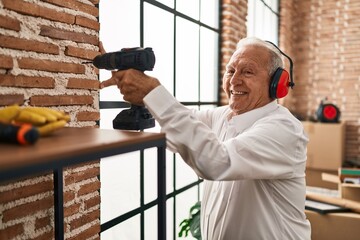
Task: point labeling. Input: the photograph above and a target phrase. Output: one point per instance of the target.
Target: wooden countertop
(67, 145)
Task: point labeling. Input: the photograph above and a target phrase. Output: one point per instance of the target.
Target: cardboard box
(350, 191)
(314, 178)
(326, 145)
(334, 226)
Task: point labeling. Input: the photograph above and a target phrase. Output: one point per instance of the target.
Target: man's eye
(248, 72)
(230, 72)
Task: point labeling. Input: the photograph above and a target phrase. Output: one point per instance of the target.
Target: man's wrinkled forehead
(254, 53)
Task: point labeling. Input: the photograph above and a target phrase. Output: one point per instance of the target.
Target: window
(263, 19)
(184, 36)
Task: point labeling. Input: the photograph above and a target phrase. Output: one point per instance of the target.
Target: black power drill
(142, 59)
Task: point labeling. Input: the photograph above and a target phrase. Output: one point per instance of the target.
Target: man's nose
(236, 79)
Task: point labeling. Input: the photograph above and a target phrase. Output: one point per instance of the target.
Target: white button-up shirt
(253, 167)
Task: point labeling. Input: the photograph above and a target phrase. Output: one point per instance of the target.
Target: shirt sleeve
(259, 153)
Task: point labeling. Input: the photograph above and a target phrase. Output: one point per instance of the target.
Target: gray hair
(275, 55)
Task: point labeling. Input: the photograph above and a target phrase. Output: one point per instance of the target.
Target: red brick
(81, 83)
(68, 35)
(94, 1)
(82, 175)
(51, 66)
(28, 45)
(35, 10)
(6, 62)
(25, 191)
(84, 219)
(72, 209)
(92, 202)
(9, 23)
(94, 126)
(87, 22)
(12, 231)
(96, 70)
(10, 99)
(26, 81)
(80, 165)
(42, 222)
(88, 233)
(81, 52)
(46, 235)
(76, 5)
(89, 188)
(27, 209)
(69, 196)
(88, 116)
(60, 100)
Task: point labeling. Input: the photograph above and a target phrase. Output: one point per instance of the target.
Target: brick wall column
(43, 45)
(233, 28)
(323, 38)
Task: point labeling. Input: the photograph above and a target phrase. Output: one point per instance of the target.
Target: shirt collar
(245, 120)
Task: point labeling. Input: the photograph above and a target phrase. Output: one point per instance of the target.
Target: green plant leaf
(192, 223)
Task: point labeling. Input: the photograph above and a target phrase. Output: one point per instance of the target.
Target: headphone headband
(291, 84)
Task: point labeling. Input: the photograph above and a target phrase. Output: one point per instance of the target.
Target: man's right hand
(134, 85)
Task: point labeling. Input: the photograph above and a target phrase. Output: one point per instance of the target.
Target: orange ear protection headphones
(280, 83)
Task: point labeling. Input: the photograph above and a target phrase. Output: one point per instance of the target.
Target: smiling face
(246, 80)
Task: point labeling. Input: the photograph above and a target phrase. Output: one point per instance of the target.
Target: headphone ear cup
(279, 86)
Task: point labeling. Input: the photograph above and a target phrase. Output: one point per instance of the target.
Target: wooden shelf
(71, 146)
